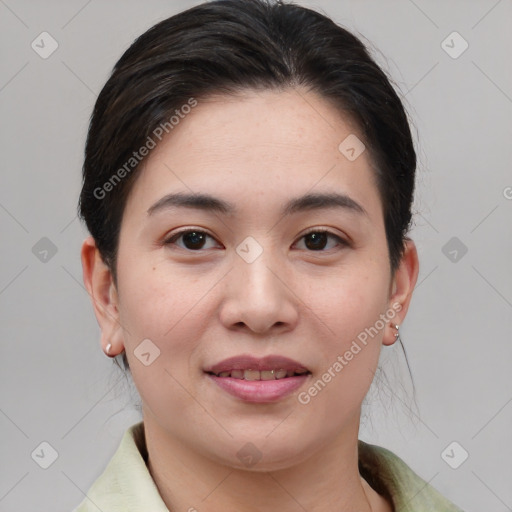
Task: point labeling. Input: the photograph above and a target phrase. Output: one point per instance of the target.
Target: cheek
(164, 310)
(350, 354)
(161, 334)
(350, 304)
(348, 301)
(154, 299)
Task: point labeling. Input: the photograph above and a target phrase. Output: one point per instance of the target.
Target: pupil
(195, 238)
(318, 240)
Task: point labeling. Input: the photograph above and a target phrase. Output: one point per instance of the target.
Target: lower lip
(260, 391)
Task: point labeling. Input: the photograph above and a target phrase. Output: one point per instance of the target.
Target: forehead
(254, 147)
(259, 124)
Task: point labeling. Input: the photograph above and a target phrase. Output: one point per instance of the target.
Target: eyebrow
(206, 202)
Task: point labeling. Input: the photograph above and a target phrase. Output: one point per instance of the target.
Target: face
(201, 285)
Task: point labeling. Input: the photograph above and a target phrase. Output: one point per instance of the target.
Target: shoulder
(126, 484)
(392, 477)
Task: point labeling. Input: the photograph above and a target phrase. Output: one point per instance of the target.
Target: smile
(252, 375)
(258, 379)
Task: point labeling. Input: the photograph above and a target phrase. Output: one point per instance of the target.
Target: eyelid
(320, 229)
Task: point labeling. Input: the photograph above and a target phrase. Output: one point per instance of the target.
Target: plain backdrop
(57, 386)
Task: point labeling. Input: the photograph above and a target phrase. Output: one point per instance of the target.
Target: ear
(401, 288)
(100, 284)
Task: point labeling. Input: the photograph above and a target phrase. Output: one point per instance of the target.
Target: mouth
(261, 380)
(251, 374)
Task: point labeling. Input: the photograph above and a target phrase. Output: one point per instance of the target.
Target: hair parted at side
(226, 47)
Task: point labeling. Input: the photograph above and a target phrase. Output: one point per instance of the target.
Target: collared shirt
(126, 484)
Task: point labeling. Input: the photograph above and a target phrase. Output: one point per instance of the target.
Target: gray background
(57, 385)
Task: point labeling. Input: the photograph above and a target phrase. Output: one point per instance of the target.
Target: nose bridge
(256, 277)
(254, 257)
(257, 295)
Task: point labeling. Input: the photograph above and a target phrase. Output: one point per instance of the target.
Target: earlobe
(401, 290)
(99, 283)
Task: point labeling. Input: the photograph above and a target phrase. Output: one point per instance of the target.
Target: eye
(193, 239)
(316, 239)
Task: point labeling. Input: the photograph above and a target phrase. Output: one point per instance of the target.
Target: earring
(397, 333)
(108, 349)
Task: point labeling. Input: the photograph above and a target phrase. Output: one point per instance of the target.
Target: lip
(258, 391)
(248, 362)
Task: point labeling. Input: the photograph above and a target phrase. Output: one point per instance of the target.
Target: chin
(261, 452)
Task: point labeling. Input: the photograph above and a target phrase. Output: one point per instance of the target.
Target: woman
(248, 181)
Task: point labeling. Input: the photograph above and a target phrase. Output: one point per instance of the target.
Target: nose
(258, 296)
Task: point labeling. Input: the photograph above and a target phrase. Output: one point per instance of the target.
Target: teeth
(261, 375)
(251, 375)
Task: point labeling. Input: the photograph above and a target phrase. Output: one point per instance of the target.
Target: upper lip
(248, 362)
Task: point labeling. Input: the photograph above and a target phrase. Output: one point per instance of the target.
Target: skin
(200, 306)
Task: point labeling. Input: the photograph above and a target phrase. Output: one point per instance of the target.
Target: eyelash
(177, 235)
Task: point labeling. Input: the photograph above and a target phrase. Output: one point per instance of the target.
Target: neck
(328, 480)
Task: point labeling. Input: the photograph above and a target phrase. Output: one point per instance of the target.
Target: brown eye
(318, 239)
(193, 239)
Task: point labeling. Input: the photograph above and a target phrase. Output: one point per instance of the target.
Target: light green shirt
(127, 486)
